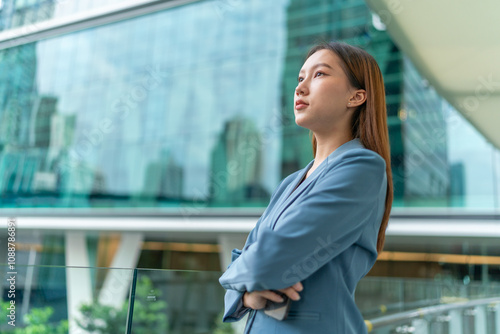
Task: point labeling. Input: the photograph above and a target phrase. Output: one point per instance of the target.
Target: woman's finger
(254, 300)
(298, 286)
(291, 293)
(268, 294)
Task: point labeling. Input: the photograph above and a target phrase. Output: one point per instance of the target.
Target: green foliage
(103, 319)
(37, 321)
(149, 314)
(222, 327)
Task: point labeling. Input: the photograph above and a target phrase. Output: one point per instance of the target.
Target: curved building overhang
(455, 45)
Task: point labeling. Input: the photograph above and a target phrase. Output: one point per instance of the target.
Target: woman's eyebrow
(318, 65)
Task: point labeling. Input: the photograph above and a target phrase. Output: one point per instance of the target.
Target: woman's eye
(300, 79)
(318, 74)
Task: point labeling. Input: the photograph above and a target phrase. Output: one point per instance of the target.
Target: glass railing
(392, 306)
(378, 296)
(479, 316)
(49, 299)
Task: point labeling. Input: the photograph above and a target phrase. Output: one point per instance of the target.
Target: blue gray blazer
(323, 234)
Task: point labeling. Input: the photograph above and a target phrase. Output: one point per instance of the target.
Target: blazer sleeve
(310, 233)
(234, 309)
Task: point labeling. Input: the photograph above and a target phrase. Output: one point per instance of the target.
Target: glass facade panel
(22, 13)
(193, 106)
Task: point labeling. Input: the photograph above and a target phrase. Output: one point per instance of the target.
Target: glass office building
(188, 107)
(192, 106)
(181, 109)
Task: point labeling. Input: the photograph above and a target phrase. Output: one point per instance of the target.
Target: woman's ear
(358, 98)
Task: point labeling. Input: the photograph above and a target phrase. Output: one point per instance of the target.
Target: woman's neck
(326, 145)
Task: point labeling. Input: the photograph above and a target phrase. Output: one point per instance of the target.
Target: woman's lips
(299, 104)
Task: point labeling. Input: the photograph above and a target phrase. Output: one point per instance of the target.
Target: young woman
(325, 224)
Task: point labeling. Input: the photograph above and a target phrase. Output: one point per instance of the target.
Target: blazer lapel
(290, 195)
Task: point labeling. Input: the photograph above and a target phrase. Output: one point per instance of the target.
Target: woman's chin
(301, 122)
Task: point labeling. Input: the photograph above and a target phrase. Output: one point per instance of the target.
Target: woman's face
(322, 94)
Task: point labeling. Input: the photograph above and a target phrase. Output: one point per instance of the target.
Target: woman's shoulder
(358, 164)
(360, 171)
(354, 152)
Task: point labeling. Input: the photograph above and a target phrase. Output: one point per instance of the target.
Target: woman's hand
(257, 299)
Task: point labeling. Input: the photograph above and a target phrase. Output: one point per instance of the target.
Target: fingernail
(282, 300)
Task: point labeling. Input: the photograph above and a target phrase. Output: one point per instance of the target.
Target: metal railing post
(456, 322)
(421, 326)
(131, 300)
(497, 318)
(480, 319)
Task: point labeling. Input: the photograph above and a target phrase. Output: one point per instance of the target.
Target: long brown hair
(369, 120)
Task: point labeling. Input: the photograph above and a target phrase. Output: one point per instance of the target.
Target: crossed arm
(328, 219)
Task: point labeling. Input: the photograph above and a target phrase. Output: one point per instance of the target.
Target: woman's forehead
(321, 57)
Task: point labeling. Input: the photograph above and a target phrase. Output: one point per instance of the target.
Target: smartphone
(278, 311)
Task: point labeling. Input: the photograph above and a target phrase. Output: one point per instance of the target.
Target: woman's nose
(299, 90)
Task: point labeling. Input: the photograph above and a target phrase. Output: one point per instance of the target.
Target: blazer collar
(351, 144)
(291, 194)
(354, 143)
